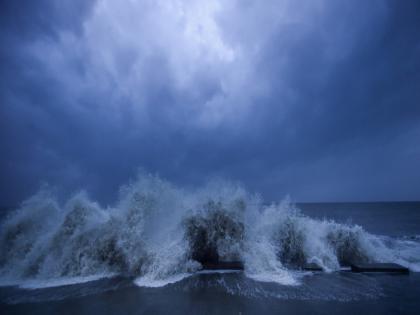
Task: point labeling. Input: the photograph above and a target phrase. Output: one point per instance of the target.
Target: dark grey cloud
(318, 100)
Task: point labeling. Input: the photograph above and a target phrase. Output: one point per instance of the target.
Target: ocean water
(142, 255)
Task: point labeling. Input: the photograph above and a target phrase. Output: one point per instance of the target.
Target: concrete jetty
(379, 267)
(220, 265)
(312, 267)
(356, 267)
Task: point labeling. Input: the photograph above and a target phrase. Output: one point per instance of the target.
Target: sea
(144, 254)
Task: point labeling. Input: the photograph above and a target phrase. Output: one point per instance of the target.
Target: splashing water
(160, 233)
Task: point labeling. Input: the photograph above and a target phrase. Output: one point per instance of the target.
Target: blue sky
(316, 99)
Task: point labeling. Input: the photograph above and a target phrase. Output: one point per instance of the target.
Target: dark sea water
(336, 292)
(384, 218)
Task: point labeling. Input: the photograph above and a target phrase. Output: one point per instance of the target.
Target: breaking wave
(160, 234)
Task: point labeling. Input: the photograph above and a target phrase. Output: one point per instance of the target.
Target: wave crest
(159, 232)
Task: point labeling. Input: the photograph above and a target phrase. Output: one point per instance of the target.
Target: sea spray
(160, 233)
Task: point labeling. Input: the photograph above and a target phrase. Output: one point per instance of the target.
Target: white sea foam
(158, 232)
(63, 281)
(53, 282)
(151, 282)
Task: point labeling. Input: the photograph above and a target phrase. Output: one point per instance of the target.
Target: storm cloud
(316, 99)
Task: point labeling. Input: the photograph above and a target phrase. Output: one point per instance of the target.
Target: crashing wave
(160, 233)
